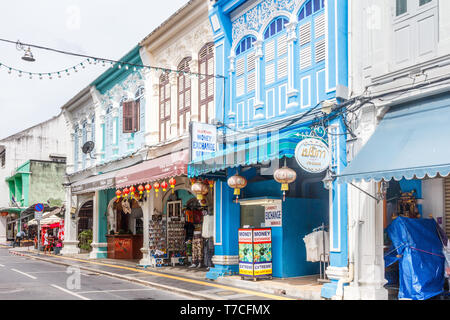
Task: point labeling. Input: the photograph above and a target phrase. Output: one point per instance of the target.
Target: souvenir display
(157, 233)
(175, 235)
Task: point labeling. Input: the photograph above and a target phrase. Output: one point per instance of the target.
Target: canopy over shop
(409, 152)
(292, 207)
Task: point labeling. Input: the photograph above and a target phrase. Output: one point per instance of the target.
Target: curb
(118, 276)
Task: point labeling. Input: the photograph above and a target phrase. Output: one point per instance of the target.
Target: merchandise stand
(324, 257)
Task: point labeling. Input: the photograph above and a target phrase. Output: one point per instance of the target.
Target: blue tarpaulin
(421, 262)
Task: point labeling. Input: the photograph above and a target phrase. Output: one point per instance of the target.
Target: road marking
(70, 292)
(204, 283)
(117, 290)
(25, 274)
(1, 265)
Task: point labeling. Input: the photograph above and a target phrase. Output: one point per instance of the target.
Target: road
(24, 278)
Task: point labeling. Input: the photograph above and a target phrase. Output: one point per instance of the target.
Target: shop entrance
(125, 238)
(84, 226)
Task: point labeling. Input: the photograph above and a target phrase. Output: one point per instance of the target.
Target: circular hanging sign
(313, 155)
(39, 207)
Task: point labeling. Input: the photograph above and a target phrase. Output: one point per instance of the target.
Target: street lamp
(28, 56)
(328, 180)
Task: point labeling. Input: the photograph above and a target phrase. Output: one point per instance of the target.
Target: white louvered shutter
(282, 68)
(319, 26)
(305, 34)
(320, 50)
(282, 45)
(305, 57)
(251, 62)
(240, 67)
(240, 86)
(270, 73)
(447, 206)
(251, 82)
(270, 51)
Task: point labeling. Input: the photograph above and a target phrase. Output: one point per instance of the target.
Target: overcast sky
(103, 28)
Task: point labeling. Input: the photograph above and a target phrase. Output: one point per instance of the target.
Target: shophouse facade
(399, 72)
(284, 62)
(20, 156)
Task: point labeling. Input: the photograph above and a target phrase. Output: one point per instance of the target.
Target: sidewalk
(189, 281)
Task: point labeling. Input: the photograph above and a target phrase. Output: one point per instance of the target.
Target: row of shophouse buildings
(205, 116)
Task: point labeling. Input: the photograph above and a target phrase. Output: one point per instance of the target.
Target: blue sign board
(39, 207)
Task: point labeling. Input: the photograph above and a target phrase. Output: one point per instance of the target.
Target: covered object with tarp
(418, 250)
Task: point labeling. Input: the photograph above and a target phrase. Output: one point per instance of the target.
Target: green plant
(85, 239)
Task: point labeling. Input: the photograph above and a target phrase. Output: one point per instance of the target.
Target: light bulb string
(167, 70)
(72, 68)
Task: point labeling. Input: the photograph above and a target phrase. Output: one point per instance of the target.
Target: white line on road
(25, 274)
(1, 265)
(70, 292)
(118, 290)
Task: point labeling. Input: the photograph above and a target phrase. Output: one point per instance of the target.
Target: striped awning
(258, 148)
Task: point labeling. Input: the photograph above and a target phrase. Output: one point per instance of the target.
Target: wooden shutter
(128, 113)
(137, 115)
(447, 205)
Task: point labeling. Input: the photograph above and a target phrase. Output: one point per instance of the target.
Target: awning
(47, 215)
(258, 148)
(171, 165)
(95, 183)
(412, 141)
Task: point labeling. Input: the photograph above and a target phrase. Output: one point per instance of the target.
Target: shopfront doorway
(84, 226)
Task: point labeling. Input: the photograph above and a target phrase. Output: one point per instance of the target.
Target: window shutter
(270, 73)
(282, 68)
(240, 86)
(319, 25)
(320, 50)
(305, 57)
(282, 45)
(128, 117)
(137, 115)
(240, 67)
(305, 34)
(270, 51)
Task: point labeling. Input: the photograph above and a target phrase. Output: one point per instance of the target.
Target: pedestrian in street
(46, 243)
(19, 237)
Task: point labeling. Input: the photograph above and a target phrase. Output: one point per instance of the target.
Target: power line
(112, 62)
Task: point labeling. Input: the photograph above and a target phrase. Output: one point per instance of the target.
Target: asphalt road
(24, 278)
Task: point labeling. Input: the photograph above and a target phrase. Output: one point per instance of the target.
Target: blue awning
(412, 141)
(255, 149)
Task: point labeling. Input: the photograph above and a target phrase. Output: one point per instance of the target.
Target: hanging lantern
(172, 183)
(126, 191)
(141, 189)
(148, 187)
(132, 190)
(211, 183)
(156, 187)
(193, 180)
(164, 185)
(118, 194)
(200, 190)
(237, 183)
(285, 176)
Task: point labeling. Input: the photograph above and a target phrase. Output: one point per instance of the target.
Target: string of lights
(104, 61)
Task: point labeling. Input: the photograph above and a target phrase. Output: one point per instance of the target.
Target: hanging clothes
(314, 243)
(208, 227)
(209, 252)
(197, 248)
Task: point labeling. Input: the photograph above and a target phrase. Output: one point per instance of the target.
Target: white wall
(35, 143)
(433, 195)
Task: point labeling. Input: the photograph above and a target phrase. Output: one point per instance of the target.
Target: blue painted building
(282, 61)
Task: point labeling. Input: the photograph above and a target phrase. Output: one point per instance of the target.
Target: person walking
(46, 243)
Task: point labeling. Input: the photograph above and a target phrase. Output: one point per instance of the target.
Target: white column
(147, 210)
(3, 228)
(259, 104)
(291, 38)
(95, 221)
(231, 112)
(70, 227)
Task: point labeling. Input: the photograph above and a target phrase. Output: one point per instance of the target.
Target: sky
(101, 28)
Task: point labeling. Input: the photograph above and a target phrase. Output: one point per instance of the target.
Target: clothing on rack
(189, 228)
(209, 252)
(314, 243)
(208, 227)
(197, 249)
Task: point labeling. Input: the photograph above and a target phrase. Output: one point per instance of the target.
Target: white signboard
(203, 140)
(38, 215)
(313, 155)
(273, 215)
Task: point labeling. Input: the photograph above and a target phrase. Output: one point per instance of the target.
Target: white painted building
(399, 53)
(48, 140)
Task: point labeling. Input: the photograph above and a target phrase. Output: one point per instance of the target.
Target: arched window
(184, 95)
(275, 67)
(245, 77)
(164, 107)
(310, 7)
(206, 83)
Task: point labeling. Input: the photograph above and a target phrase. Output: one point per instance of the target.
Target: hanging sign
(313, 155)
(273, 215)
(38, 215)
(203, 140)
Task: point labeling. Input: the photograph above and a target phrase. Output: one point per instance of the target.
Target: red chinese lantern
(172, 183)
(4, 214)
(193, 180)
(200, 190)
(141, 189)
(156, 187)
(118, 194)
(126, 191)
(164, 185)
(210, 182)
(148, 187)
(132, 190)
(237, 183)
